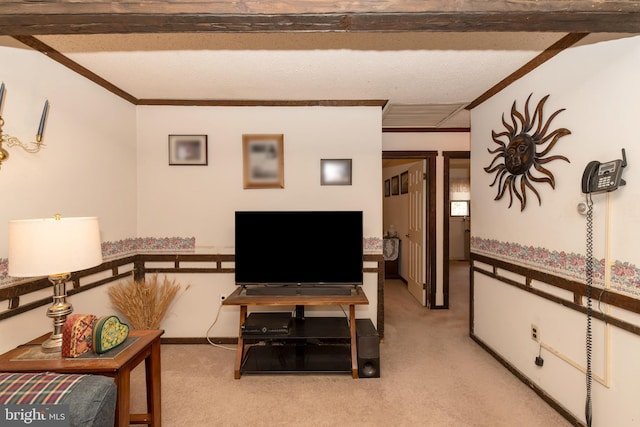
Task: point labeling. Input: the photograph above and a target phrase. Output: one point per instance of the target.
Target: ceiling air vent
(425, 115)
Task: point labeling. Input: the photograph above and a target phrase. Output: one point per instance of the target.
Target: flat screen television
(298, 248)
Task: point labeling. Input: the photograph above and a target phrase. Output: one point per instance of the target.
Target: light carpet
(432, 374)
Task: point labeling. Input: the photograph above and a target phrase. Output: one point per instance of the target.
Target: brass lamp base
(58, 312)
(52, 345)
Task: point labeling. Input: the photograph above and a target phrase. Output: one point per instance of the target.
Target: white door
(415, 238)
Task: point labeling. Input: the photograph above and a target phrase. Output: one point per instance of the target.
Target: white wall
(86, 168)
(105, 157)
(597, 85)
(200, 201)
(449, 141)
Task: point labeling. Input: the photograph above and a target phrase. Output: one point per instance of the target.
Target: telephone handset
(600, 177)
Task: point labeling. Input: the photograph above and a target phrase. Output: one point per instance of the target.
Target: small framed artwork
(188, 150)
(387, 187)
(459, 208)
(395, 185)
(404, 182)
(263, 157)
(335, 172)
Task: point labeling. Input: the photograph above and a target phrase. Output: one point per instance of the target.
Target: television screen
(298, 247)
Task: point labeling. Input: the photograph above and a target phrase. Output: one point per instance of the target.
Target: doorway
(424, 260)
(454, 163)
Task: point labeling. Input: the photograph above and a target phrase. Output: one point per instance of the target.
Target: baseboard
(540, 392)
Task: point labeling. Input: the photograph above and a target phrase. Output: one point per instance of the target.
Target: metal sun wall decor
(517, 152)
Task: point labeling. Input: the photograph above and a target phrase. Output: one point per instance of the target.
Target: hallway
(431, 353)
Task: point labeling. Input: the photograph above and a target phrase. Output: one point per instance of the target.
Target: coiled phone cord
(589, 274)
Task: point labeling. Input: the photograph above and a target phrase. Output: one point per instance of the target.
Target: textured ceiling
(427, 77)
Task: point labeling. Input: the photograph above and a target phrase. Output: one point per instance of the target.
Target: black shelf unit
(312, 345)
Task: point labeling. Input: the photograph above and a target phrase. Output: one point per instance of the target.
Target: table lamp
(54, 247)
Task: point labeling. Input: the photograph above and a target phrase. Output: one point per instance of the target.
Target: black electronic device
(368, 342)
(267, 323)
(601, 177)
(298, 290)
(298, 248)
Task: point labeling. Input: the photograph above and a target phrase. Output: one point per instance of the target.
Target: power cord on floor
(211, 327)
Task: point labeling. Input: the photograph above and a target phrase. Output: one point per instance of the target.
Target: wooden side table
(145, 347)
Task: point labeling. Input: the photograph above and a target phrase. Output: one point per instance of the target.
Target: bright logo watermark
(34, 415)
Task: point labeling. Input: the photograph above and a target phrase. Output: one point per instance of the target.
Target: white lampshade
(48, 246)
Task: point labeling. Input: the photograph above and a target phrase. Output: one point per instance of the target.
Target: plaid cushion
(36, 389)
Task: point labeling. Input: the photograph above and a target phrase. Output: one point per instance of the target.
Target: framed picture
(335, 172)
(263, 161)
(387, 187)
(188, 150)
(404, 182)
(395, 185)
(459, 208)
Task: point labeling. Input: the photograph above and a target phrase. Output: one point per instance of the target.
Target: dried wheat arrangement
(145, 302)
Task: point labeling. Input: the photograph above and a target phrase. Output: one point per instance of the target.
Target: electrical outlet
(535, 333)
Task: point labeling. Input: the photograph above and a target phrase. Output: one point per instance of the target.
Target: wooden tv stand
(253, 359)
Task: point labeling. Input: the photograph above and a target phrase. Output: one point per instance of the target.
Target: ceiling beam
(553, 50)
(265, 103)
(28, 17)
(44, 48)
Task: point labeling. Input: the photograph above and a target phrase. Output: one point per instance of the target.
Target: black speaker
(368, 342)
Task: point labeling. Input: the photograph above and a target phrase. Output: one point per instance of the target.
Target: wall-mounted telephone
(596, 178)
(600, 177)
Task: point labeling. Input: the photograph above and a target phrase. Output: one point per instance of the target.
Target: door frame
(448, 155)
(430, 210)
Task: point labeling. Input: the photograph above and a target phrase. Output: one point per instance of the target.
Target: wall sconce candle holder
(11, 141)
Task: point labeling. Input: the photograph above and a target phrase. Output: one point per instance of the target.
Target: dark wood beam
(423, 130)
(562, 44)
(44, 48)
(28, 17)
(266, 103)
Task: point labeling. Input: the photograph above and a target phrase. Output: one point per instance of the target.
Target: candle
(1, 95)
(42, 120)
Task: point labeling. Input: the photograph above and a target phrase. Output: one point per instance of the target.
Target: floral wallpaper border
(373, 245)
(625, 277)
(123, 247)
(131, 246)
(148, 244)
